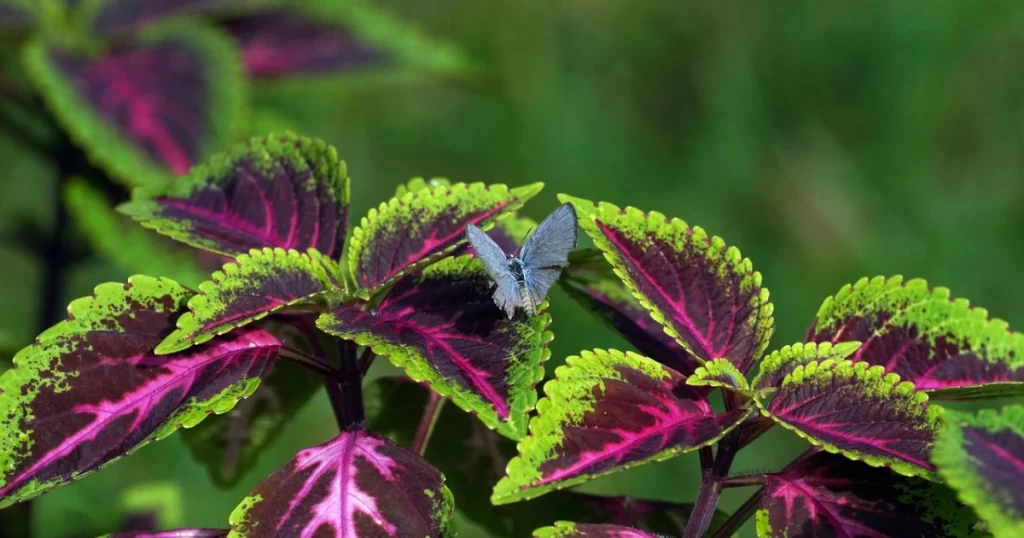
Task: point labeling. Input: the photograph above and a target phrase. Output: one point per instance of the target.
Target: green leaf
(776, 366)
(130, 247)
(708, 297)
(982, 458)
(719, 373)
(193, 73)
(421, 227)
(250, 288)
(604, 412)
(859, 411)
(279, 190)
(925, 336)
(442, 327)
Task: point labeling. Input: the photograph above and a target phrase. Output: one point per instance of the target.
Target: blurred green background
(828, 141)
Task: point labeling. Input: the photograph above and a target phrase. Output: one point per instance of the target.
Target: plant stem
(710, 489)
(426, 428)
(365, 361)
(351, 384)
(742, 481)
(740, 516)
(316, 364)
(333, 389)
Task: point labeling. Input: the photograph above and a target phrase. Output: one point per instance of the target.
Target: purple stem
(351, 385)
(316, 364)
(742, 481)
(712, 472)
(740, 516)
(365, 361)
(431, 413)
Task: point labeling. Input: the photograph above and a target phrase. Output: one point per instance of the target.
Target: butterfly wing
(506, 296)
(539, 281)
(550, 244)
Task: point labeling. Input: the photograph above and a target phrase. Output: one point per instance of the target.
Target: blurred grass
(826, 141)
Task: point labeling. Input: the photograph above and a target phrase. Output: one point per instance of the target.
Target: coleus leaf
(780, 363)
(592, 282)
(250, 288)
(719, 373)
(420, 227)
(606, 411)
(358, 484)
(982, 458)
(286, 41)
(130, 247)
(568, 529)
(925, 336)
(229, 445)
(708, 297)
(441, 326)
(279, 190)
(90, 389)
(473, 458)
(148, 110)
(859, 411)
(118, 17)
(828, 495)
(177, 533)
(509, 233)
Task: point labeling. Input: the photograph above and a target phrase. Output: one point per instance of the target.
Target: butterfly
(524, 280)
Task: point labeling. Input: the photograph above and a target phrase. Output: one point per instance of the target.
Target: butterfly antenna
(523, 240)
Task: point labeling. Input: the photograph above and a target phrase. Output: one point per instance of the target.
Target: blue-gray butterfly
(524, 280)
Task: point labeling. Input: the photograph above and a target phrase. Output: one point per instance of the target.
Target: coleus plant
(124, 93)
(303, 303)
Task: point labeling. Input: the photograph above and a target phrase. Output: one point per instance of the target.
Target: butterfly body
(523, 281)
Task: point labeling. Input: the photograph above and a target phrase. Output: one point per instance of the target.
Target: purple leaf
(284, 42)
(250, 288)
(708, 297)
(604, 412)
(420, 227)
(90, 389)
(358, 485)
(858, 411)
(112, 17)
(280, 191)
(828, 495)
(177, 533)
(982, 458)
(939, 343)
(566, 529)
(590, 280)
(149, 110)
(442, 327)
